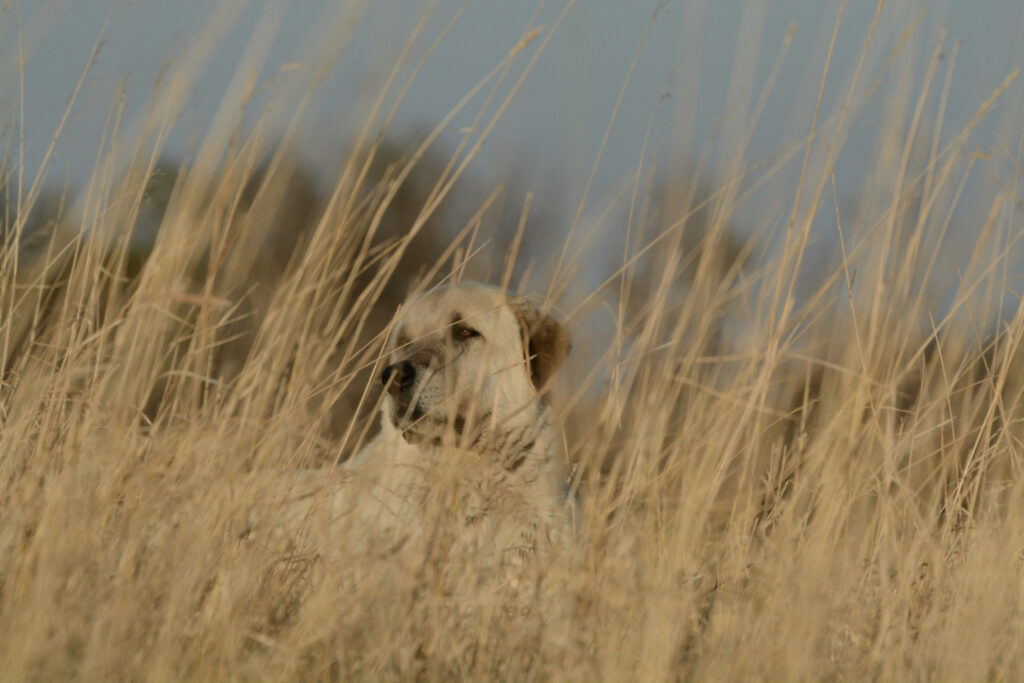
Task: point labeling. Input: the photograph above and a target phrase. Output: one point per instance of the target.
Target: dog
(467, 440)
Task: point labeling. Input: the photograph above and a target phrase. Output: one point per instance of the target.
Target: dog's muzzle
(398, 378)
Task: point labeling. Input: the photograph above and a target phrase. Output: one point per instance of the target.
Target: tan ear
(545, 341)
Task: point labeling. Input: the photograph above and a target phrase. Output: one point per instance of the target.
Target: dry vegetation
(784, 472)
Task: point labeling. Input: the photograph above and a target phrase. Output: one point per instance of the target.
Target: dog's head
(468, 359)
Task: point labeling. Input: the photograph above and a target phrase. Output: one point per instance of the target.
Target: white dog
(467, 439)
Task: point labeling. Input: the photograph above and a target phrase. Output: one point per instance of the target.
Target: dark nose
(398, 377)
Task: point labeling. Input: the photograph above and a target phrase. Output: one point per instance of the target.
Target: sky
(684, 81)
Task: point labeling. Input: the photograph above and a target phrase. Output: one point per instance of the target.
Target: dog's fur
(466, 434)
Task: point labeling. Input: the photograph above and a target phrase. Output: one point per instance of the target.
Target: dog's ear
(545, 341)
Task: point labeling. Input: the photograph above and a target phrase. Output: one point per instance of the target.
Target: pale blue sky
(554, 127)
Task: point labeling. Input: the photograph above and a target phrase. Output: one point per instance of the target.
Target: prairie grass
(790, 466)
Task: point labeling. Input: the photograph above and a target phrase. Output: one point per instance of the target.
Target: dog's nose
(398, 377)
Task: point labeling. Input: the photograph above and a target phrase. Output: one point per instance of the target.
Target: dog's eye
(461, 333)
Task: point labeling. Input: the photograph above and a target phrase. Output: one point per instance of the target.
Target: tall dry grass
(786, 470)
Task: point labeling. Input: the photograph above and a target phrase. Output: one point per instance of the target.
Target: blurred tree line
(473, 230)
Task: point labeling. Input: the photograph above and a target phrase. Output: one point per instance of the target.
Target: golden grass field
(786, 470)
